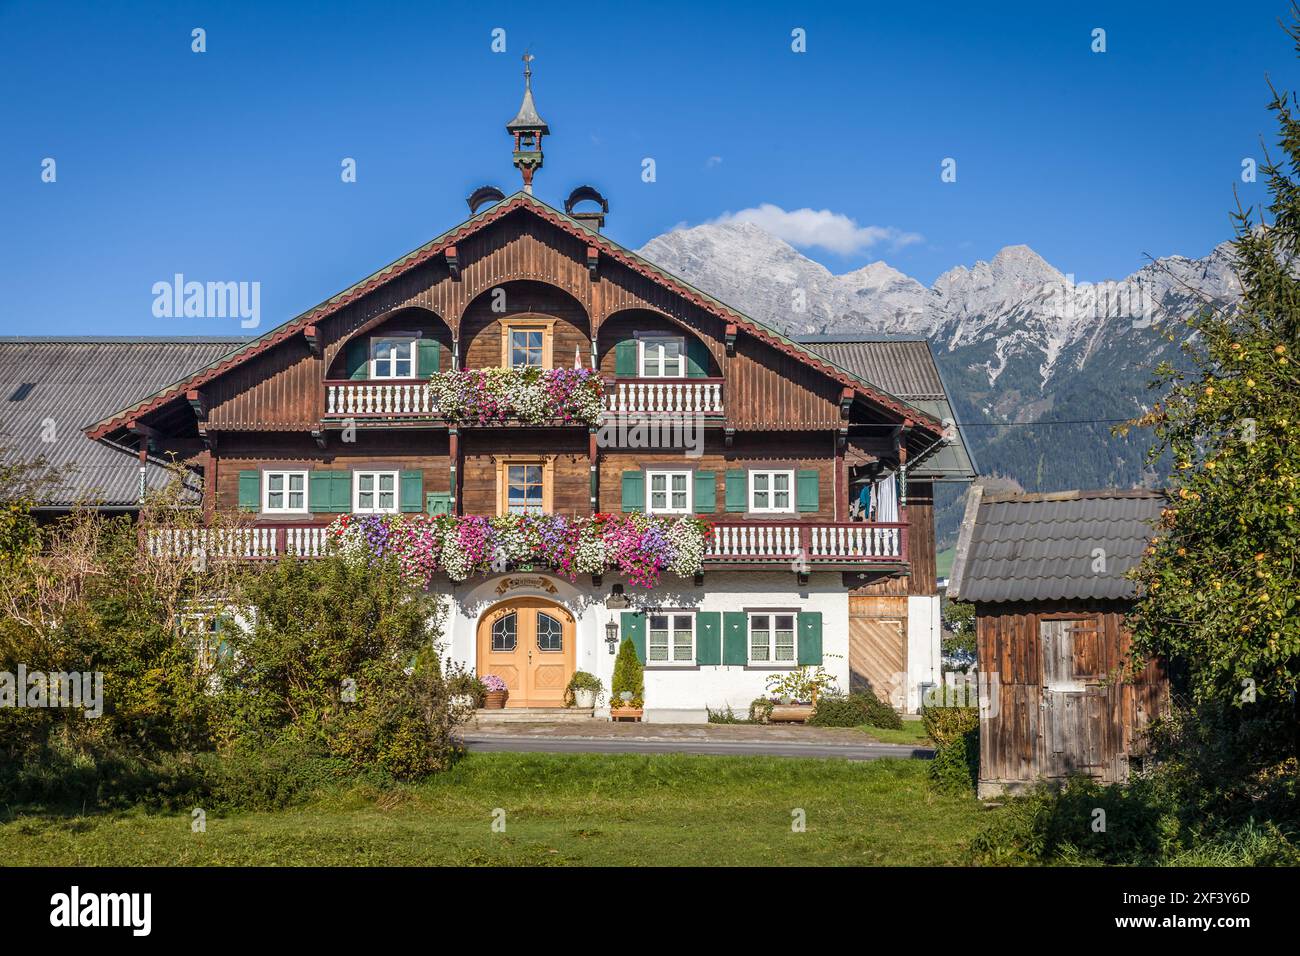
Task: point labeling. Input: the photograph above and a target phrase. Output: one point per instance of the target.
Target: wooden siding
(1035, 734)
(425, 451)
(566, 449)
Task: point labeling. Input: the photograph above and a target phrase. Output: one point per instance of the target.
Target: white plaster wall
(924, 654)
(672, 693)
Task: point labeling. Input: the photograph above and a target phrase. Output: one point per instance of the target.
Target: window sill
(671, 666)
(771, 667)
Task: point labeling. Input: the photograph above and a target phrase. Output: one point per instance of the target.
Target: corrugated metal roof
(901, 366)
(76, 382)
(904, 367)
(1065, 546)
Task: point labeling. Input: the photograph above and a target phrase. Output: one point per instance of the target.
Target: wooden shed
(1047, 574)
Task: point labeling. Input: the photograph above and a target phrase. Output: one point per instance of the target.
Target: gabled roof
(77, 380)
(1071, 545)
(904, 366)
(435, 247)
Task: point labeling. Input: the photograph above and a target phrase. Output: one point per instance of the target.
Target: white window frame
(672, 614)
(772, 613)
(287, 474)
(753, 492)
(656, 341)
(668, 508)
(376, 474)
(392, 361)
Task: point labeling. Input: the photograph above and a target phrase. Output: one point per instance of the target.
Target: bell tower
(528, 129)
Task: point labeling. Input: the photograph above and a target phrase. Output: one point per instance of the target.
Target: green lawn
(662, 810)
(912, 732)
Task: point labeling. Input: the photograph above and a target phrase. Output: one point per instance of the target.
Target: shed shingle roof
(77, 381)
(1069, 545)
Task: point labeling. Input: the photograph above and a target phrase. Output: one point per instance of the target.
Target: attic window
(22, 391)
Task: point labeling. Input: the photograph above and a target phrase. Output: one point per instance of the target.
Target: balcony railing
(412, 400)
(403, 398)
(839, 542)
(664, 396)
(732, 543)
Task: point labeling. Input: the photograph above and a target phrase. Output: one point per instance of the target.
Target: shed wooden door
(878, 646)
(528, 643)
(1074, 701)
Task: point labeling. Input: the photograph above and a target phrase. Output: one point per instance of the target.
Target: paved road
(526, 743)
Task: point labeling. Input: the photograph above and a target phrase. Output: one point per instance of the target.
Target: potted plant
(628, 685)
(464, 688)
(584, 690)
(794, 695)
(496, 692)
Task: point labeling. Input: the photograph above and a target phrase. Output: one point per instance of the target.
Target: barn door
(878, 647)
(1073, 699)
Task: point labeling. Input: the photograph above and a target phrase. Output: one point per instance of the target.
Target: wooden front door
(528, 643)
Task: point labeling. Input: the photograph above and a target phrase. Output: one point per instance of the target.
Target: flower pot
(584, 698)
(464, 702)
(495, 699)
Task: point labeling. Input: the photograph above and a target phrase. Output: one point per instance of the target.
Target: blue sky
(225, 165)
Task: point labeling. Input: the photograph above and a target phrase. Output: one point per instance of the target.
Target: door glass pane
(550, 633)
(503, 633)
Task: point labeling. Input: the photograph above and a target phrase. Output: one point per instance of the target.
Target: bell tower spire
(528, 129)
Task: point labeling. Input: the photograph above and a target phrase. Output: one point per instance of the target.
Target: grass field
(912, 732)
(656, 810)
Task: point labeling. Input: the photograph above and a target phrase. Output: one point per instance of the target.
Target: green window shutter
(412, 490)
(737, 491)
(340, 491)
(697, 358)
(708, 638)
(706, 492)
(634, 627)
(735, 638)
(250, 491)
(438, 502)
(318, 490)
(810, 637)
(428, 357)
(625, 358)
(356, 360)
(634, 491)
(806, 481)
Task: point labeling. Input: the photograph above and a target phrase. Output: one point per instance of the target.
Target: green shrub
(629, 675)
(725, 716)
(836, 710)
(956, 735)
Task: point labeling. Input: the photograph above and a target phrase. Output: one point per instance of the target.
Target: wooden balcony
(792, 544)
(664, 396)
(807, 542)
(409, 400)
(402, 398)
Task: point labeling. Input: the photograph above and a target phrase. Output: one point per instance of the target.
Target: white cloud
(712, 161)
(833, 231)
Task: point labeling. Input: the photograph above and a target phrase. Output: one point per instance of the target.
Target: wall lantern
(611, 635)
(617, 599)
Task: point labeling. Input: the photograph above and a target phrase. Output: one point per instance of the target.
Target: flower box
(625, 713)
(790, 713)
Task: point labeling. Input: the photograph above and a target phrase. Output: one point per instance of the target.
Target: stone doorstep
(531, 715)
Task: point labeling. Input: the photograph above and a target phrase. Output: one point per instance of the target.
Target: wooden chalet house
(769, 441)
